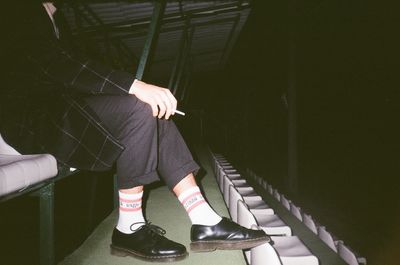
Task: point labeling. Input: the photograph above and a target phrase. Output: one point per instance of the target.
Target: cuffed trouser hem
(129, 183)
(175, 177)
(171, 181)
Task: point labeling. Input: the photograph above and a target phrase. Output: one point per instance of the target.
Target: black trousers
(154, 148)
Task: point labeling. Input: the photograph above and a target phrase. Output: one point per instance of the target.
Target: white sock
(130, 212)
(197, 208)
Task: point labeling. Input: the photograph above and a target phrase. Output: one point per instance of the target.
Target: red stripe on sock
(130, 201)
(190, 196)
(130, 209)
(195, 205)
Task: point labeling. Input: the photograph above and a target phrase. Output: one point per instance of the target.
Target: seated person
(91, 117)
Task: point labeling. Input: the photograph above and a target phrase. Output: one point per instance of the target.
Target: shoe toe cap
(170, 248)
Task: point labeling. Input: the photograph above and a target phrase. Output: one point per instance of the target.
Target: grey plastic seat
(224, 169)
(270, 223)
(309, 222)
(264, 184)
(221, 179)
(218, 165)
(252, 201)
(349, 256)
(258, 179)
(296, 211)
(218, 169)
(288, 250)
(262, 255)
(276, 195)
(270, 189)
(18, 172)
(285, 202)
(327, 238)
(237, 182)
(218, 156)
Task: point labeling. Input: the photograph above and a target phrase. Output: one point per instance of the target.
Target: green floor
(162, 209)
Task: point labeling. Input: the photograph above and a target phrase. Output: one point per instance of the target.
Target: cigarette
(179, 112)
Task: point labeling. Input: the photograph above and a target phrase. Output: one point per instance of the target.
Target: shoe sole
(123, 252)
(208, 246)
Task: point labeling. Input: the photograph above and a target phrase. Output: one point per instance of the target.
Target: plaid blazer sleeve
(77, 71)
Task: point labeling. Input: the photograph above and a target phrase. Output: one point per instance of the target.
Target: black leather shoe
(147, 243)
(225, 235)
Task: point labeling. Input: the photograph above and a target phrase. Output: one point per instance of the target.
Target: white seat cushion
(18, 172)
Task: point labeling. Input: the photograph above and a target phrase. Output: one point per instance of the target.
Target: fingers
(161, 100)
(172, 101)
(154, 107)
(167, 103)
(161, 105)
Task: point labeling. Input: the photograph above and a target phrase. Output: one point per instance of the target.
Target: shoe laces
(153, 229)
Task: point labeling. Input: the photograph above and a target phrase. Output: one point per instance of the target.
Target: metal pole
(47, 248)
(149, 46)
(184, 59)
(178, 59)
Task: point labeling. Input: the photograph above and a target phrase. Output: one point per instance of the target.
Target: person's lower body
(155, 149)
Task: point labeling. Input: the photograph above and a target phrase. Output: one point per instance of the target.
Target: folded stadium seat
(218, 165)
(244, 192)
(286, 250)
(220, 168)
(239, 182)
(264, 184)
(252, 202)
(296, 211)
(270, 223)
(222, 161)
(221, 158)
(18, 172)
(309, 222)
(327, 238)
(225, 170)
(270, 189)
(224, 164)
(253, 175)
(225, 167)
(219, 171)
(263, 254)
(231, 176)
(218, 156)
(261, 181)
(247, 191)
(277, 195)
(285, 202)
(349, 255)
(258, 179)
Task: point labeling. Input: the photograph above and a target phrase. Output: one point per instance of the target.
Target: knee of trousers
(141, 115)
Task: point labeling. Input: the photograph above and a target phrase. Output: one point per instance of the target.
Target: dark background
(345, 76)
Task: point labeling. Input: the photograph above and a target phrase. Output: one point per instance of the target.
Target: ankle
(130, 212)
(199, 211)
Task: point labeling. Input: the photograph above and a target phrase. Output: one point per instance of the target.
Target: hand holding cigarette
(161, 100)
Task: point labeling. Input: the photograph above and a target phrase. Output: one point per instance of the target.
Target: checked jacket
(42, 97)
